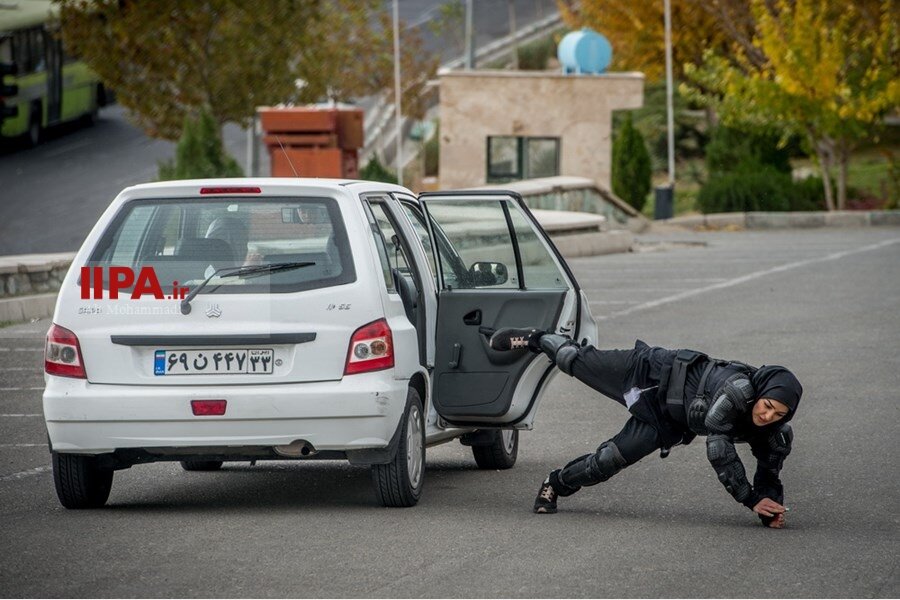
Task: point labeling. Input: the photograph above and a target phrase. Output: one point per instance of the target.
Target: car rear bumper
(359, 411)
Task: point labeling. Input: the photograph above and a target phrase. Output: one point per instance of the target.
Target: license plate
(213, 362)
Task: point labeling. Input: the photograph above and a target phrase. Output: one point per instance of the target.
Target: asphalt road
(51, 195)
(826, 303)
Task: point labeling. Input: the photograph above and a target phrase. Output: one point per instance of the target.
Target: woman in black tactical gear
(673, 396)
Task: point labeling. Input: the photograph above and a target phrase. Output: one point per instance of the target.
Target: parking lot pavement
(826, 303)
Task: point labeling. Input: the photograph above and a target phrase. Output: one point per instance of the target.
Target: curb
(594, 244)
(19, 309)
(783, 220)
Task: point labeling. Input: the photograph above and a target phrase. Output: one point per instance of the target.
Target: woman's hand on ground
(778, 522)
(768, 508)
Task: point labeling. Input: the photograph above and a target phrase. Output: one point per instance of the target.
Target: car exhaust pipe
(296, 449)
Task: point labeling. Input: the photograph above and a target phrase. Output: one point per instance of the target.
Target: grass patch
(869, 171)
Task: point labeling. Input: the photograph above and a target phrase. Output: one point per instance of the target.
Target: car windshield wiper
(244, 273)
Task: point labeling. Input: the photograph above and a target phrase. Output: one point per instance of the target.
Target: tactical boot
(516, 339)
(545, 503)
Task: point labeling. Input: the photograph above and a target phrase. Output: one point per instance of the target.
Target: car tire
(80, 482)
(399, 482)
(501, 453)
(201, 465)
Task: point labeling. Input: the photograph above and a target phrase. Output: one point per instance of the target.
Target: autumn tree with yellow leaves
(635, 30)
(823, 69)
(830, 74)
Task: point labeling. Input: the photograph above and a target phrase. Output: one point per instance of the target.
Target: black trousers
(613, 373)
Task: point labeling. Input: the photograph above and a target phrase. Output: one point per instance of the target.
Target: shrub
(808, 194)
(375, 171)
(731, 149)
(432, 150)
(763, 188)
(200, 153)
(630, 166)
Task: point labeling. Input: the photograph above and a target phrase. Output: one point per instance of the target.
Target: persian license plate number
(214, 362)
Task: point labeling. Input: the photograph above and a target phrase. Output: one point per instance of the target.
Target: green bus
(40, 85)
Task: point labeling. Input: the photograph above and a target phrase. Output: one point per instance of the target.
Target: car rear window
(187, 240)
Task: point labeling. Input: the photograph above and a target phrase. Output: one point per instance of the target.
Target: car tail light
(208, 408)
(230, 190)
(371, 349)
(62, 354)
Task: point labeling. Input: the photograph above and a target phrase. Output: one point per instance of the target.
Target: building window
(512, 158)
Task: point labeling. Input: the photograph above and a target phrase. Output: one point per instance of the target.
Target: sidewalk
(28, 283)
(780, 220)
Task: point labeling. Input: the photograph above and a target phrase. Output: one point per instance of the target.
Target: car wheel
(399, 482)
(80, 482)
(501, 453)
(201, 465)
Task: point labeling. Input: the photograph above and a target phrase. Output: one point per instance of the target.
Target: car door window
(381, 246)
(418, 223)
(396, 257)
(539, 268)
(483, 255)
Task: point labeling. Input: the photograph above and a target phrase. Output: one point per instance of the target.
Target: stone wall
(30, 274)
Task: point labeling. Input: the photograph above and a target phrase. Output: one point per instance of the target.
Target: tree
(167, 59)
(635, 29)
(375, 171)
(354, 56)
(830, 73)
(199, 153)
(631, 166)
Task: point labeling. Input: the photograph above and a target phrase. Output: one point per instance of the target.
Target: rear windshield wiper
(244, 272)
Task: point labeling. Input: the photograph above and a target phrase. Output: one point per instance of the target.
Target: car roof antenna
(288, 158)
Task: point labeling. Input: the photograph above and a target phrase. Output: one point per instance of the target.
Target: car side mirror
(488, 273)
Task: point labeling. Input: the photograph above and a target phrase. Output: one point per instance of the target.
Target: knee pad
(595, 468)
(565, 357)
(561, 350)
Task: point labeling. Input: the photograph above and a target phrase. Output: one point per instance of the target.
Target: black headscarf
(778, 384)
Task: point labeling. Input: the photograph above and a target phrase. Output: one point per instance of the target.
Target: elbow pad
(728, 466)
(777, 447)
(733, 401)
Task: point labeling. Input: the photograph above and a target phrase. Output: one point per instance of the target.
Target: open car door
(496, 268)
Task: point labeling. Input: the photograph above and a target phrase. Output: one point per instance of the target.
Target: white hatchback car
(257, 319)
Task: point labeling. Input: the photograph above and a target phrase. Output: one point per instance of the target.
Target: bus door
(54, 78)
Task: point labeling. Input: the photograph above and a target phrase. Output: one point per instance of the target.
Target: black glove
(696, 415)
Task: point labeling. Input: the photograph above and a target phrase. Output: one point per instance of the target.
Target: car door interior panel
(475, 381)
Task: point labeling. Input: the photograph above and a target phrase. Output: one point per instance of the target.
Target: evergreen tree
(631, 166)
(199, 153)
(375, 171)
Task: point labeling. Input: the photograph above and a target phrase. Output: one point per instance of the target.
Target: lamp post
(664, 194)
(397, 92)
(670, 116)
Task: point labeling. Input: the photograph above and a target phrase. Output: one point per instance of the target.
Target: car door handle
(473, 318)
(455, 355)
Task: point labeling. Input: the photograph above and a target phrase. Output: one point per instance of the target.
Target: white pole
(470, 43)
(670, 113)
(397, 92)
(511, 8)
